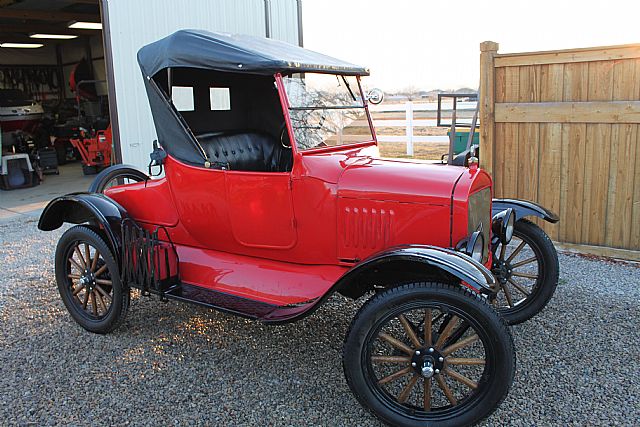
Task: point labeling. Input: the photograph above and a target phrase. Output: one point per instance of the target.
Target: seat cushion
(245, 151)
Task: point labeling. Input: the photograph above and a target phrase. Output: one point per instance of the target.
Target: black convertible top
(237, 53)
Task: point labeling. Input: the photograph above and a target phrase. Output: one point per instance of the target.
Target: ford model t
(271, 196)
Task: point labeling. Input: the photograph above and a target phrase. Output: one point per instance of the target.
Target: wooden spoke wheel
(429, 354)
(89, 281)
(431, 360)
(526, 272)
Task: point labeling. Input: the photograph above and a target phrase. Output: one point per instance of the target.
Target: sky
(426, 44)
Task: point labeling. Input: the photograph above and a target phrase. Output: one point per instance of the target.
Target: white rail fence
(465, 111)
(408, 123)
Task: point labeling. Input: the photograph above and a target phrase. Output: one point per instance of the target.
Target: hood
(409, 181)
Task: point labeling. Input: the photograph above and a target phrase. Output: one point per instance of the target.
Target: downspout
(267, 18)
(299, 10)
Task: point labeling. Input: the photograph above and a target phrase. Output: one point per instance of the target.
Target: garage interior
(54, 111)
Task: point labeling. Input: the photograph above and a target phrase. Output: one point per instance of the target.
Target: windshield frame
(286, 107)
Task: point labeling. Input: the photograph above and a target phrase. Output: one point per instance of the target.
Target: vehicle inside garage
(54, 111)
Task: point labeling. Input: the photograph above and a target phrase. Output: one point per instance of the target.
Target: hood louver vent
(366, 228)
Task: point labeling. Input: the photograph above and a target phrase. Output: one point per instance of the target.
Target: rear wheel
(429, 354)
(526, 272)
(89, 281)
(116, 175)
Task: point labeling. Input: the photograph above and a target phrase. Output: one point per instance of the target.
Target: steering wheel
(283, 132)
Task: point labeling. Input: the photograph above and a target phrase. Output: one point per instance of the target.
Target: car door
(260, 209)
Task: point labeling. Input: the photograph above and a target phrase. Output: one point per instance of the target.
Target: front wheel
(429, 354)
(89, 281)
(526, 272)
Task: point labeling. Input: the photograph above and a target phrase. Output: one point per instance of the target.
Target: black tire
(87, 301)
(61, 153)
(540, 289)
(116, 175)
(494, 375)
(89, 170)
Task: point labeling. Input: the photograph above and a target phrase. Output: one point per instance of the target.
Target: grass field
(421, 150)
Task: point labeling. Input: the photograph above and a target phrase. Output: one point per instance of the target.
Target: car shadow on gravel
(183, 364)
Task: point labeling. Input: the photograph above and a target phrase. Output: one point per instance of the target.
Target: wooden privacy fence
(562, 128)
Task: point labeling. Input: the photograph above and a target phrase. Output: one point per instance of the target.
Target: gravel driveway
(578, 362)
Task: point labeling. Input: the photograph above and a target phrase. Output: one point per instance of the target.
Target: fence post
(488, 50)
(409, 119)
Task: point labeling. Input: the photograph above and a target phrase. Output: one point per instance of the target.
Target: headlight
(502, 225)
(510, 225)
(475, 246)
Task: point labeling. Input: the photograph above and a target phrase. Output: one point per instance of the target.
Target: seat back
(246, 151)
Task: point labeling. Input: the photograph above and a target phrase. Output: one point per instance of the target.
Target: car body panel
(470, 182)
(308, 219)
(79, 208)
(367, 226)
(274, 282)
(261, 209)
(459, 265)
(523, 208)
(139, 197)
(387, 179)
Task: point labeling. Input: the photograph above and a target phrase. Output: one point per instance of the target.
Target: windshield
(326, 110)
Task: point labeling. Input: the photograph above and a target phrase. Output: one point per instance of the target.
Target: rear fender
(80, 208)
(523, 208)
(425, 261)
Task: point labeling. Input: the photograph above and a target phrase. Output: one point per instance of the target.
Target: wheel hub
(502, 271)
(427, 362)
(427, 369)
(88, 279)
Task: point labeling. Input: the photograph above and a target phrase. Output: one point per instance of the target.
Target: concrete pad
(29, 202)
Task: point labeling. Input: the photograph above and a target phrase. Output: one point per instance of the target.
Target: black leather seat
(247, 151)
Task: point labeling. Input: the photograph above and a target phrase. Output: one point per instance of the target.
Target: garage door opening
(54, 106)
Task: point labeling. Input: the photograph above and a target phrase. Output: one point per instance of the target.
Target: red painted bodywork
(286, 238)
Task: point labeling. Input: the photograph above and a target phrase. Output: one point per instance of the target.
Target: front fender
(523, 208)
(79, 208)
(454, 263)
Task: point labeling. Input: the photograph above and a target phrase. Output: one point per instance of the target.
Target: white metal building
(129, 25)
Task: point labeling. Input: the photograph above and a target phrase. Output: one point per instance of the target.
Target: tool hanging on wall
(34, 80)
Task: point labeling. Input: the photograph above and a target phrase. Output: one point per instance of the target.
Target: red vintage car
(269, 196)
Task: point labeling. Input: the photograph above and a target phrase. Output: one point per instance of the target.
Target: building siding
(133, 24)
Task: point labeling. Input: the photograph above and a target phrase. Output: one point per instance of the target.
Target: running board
(220, 301)
(236, 305)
